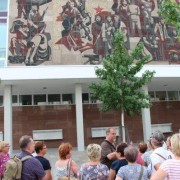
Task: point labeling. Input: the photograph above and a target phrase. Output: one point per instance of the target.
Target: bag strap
(26, 157)
(141, 173)
(161, 156)
(69, 168)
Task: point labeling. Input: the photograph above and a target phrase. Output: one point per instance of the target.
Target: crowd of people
(155, 160)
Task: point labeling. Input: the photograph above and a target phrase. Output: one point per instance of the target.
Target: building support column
(8, 116)
(79, 117)
(146, 119)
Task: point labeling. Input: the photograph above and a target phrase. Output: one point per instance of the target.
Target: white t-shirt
(155, 158)
(172, 168)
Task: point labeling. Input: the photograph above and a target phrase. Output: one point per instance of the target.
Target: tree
(119, 87)
(169, 10)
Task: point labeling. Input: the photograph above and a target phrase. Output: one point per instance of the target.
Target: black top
(117, 164)
(45, 163)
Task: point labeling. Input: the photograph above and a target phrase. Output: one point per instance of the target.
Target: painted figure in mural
(150, 47)
(117, 22)
(108, 32)
(38, 49)
(98, 43)
(147, 7)
(123, 12)
(115, 7)
(23, 7)
(161, 30)
(35, 20)
(18, 44)
(75, 24)
(70, 15)
(134, 17)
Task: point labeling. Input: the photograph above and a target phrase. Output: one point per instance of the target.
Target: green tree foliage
(119, 87)
(169, 10)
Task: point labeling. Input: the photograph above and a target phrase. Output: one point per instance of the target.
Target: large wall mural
(52, 32)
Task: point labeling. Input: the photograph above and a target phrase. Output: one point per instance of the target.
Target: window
(3, 5)
(152, 95)
(1, 100)
(40, 99)
(172, 95)
(14, 99)
(85, 97)
(3, 32)
(54, 99)
(67, 99)
(161, 95)
(25, 99)
(93, 100)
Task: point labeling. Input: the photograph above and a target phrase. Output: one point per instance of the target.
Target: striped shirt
(172, 168)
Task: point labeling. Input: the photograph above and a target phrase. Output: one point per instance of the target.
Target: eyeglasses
(7, 145)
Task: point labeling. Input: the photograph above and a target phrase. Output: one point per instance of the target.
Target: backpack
(14, 167)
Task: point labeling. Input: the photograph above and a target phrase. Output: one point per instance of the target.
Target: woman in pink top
(170, 169)
(142, 149)
(4, 156)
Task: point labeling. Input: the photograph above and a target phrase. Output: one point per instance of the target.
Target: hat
(158, 137)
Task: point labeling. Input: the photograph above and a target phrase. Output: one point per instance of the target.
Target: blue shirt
(32, 169)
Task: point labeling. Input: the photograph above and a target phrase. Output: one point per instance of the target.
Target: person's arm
(112, 174)
(74, 168)
(118, 178)
(156, 166)
(111, 156)
(48, 172)
(159, 174)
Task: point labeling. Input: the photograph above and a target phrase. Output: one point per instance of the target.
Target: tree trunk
(123, 128)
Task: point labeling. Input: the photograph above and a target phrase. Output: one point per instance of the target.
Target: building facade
(49, 59)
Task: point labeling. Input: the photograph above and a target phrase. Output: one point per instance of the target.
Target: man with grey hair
(108, 154)
(31, 167)
(160, 154)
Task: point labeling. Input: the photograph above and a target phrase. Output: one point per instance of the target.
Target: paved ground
(52, 156)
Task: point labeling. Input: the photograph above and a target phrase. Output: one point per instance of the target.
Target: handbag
(68, 177)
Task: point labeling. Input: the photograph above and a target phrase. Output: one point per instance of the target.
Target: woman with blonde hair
(170, 169)
(65, 166)
(93, 169)
(4, 156)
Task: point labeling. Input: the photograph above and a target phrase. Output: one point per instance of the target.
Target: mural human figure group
(90, 31)
(29, 42)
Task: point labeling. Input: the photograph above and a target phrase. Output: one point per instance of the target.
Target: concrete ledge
(165, 128)
(101, 131)
(47, 134)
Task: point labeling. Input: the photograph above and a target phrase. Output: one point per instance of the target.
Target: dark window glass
(54, 99)
(25, 99)
(85, 98)
(67, 99)
(40, 99)
(161, 95)
(1, 100)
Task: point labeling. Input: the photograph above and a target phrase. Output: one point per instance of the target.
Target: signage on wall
(79, 32)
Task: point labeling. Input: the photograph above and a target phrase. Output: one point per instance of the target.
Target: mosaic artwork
(51, 32)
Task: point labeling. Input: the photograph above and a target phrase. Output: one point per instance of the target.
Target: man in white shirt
(160, 154)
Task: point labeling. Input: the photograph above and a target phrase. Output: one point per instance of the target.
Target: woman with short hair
(4, 156)
(170, 169)
(120, 162)
(65, 163)
(133, 170)
(93, 169)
